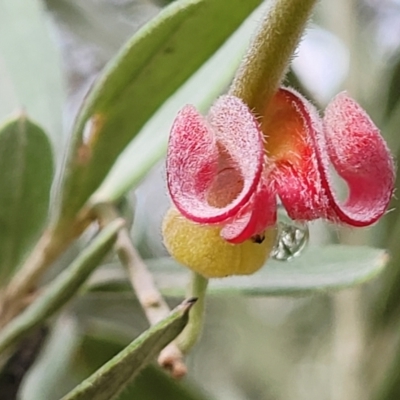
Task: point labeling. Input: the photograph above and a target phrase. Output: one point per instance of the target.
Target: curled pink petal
(258, 214)
(204, 155)
(361, 157)
(290, 124)
(303, 147)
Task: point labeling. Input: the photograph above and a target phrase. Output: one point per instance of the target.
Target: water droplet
(292, 239)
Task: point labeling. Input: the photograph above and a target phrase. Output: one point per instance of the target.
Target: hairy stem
(270, 52)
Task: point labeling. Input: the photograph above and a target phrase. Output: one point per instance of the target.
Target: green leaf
(152, 383)
(108, 381)
(72, 354)
(30, 67)
(318, 269)
(200, 90)
(62, 288)
(26, 172)
(152, 65)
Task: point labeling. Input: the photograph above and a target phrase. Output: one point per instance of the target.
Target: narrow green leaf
(108, 381)
(97, 349)
(152, 65)
(318, 269)
(30, 66)
(201, 89)
(26, 172)
(71, 354)
(62, 288)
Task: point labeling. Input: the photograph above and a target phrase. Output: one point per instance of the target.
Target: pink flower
(228, 168)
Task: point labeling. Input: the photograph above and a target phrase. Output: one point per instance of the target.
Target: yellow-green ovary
(202, 249)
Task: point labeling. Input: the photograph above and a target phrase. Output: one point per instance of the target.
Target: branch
(147, 293)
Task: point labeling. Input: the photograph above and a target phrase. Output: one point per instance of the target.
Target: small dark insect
(258, 238)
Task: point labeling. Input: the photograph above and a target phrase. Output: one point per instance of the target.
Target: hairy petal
(290, 125)
(303, 146)
(205, 157)
(361, 157)
(253, 219)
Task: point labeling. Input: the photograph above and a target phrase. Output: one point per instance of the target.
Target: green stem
(53, 242)
(188, 338)
(62, 288)
(270, 52)
(154, 305)
(14, 299)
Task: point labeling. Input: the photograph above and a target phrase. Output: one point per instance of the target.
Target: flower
(225, 171)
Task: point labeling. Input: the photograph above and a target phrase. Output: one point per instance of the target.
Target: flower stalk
(190, 335)
(268, 57)
(171, 354)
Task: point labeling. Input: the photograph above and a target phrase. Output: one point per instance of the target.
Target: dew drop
(291, 240)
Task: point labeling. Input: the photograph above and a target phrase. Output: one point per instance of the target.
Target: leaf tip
(187, 304)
